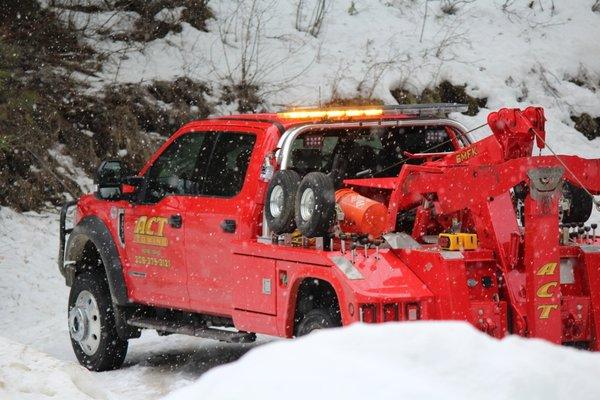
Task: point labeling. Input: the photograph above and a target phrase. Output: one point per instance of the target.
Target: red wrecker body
(472, 232)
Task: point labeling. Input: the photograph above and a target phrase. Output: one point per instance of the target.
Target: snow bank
(26, 374)
(34, 295)
(426, 360)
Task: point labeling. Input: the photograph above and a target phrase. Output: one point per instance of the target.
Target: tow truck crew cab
(284, 223)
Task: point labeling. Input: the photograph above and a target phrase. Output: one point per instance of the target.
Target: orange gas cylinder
(361, 214)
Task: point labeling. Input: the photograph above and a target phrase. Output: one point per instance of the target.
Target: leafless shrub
(376, 67)
(311, 21)
(452, 37)
(451, 7)
(529, 14)
(249, 64)
(596, 6)
(549, 81)
(372, 76)
(335, 84)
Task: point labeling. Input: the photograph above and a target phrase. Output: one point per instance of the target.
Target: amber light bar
(372, 111)
(331, 113)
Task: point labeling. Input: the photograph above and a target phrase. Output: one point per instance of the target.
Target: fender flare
(92, 229)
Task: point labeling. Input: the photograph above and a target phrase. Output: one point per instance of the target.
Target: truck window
(178, 169)
(351, 151)
(228, 163)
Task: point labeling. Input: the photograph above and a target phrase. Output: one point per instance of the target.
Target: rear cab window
(374, 151)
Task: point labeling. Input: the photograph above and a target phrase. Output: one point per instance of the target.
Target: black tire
(581, 204)
(316, 220)
(314, 320)
(280, 219)
(111, 349)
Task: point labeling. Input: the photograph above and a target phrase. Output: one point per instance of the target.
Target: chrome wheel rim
(307, 204)
(276, 201)
(84, 322)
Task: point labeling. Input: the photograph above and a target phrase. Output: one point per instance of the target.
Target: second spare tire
(315, 205)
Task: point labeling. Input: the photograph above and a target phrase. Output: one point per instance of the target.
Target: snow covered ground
(26, 373)
(33, 320)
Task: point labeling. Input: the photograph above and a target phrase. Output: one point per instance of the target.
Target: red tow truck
(288, 222)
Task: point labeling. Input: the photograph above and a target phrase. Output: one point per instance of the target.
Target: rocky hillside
(84, 80)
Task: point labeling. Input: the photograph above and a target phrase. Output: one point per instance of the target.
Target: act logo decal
(546, 290)
(150, 230)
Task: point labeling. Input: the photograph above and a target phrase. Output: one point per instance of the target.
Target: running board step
(192, 330)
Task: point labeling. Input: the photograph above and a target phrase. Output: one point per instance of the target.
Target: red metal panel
(255, 284)
(591, 260)
(155, 265)
(255, 322)
(541, 260)
(445, 278)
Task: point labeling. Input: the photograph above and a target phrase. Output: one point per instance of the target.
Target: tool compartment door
(256, 283)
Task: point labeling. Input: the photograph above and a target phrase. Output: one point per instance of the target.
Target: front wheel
(314, 320)
(94, 337)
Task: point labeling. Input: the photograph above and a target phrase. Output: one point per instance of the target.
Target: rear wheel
(314, 320)
(94, 337)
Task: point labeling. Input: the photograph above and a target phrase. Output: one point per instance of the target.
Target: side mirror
(110, 176)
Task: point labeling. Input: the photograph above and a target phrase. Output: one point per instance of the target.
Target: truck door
(221, 215)
(156, 270)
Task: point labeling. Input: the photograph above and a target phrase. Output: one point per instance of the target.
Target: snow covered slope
(514, 53)
(424, 360)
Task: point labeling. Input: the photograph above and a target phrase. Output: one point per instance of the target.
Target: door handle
(175, 221)
(228, 225)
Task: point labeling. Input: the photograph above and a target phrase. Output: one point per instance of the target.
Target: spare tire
(281, 200)
(581, 204)
(315, 205)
